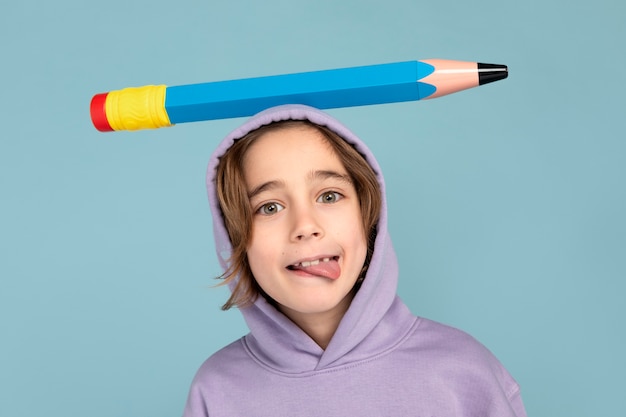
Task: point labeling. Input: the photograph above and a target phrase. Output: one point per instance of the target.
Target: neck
(320, 326)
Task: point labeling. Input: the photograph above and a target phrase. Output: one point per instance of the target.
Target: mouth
(325, 267)
(314, 262)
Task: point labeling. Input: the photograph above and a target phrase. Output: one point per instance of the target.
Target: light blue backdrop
(507, 201)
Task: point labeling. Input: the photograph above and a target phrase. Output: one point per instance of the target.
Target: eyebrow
(325, 174)
(313, 176)
(270, 185)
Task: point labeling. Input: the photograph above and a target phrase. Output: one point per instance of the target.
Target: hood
(376, 319)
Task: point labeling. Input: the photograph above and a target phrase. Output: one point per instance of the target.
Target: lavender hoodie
(382, 360)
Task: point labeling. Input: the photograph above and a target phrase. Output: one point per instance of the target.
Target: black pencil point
(488, 73)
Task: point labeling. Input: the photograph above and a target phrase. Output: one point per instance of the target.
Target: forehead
(280, 144)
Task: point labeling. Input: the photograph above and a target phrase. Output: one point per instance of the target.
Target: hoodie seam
(307, 374)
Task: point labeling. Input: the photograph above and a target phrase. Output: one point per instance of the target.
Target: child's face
(308, 245)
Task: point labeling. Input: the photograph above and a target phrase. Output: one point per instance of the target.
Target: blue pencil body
(358, 86)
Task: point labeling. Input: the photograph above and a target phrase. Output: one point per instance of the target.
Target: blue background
(507, 201)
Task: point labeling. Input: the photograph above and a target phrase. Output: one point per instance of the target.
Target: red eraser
(99, 114)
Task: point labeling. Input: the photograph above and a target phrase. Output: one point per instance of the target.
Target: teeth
(306, 264)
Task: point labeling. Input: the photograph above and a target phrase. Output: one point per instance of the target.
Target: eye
(329, 197)
(268, 209)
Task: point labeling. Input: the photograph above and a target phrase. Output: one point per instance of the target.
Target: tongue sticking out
(324, 268)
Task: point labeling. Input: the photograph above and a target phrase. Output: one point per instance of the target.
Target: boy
(301, 231)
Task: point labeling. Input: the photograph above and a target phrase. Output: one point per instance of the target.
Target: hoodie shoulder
(462, 359)
(217, 380)
(221, 362)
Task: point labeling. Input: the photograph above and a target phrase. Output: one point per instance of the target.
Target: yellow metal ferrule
(137, 108)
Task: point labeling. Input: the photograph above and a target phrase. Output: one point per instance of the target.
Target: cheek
(361, 241)
(254, 252)
(261, 249)
(354, 236)
(256, 265)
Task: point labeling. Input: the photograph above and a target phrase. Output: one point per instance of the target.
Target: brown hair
(232, 195)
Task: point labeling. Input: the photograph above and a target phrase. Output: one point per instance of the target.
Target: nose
(305, 224)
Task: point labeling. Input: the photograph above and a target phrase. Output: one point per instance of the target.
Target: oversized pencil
(160, 106)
